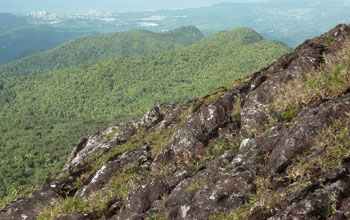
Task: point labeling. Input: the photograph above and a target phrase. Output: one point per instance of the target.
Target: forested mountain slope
(18, 41)
(272, 146)
(93, 48)
(44, 115)
(10, 20)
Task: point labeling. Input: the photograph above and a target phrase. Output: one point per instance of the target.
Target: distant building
(92, 12)
(38, 13)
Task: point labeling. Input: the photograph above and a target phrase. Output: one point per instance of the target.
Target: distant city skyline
(83, 6)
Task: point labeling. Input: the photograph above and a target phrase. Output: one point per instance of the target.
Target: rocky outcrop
(102, 177)
(308, 124)
(116, 135)
(189, 142)
(227, 155)
(30, 206)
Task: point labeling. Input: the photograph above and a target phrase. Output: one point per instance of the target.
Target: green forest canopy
(44, 116)
(93, 48)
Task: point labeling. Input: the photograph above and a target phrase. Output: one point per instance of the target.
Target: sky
(80, 6)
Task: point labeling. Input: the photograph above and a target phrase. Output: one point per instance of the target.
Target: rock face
(237, 153)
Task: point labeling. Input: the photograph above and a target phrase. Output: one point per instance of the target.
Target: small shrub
(169, 169)
(122, 184)
(236, 110)
(197, 184)
(329, 41)
(109, 136)
(155, 216)
(158, 139)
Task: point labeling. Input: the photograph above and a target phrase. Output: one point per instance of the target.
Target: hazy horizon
(81, 6)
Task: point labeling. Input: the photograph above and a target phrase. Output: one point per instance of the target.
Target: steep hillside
(273, 146)
(43, 116)
(93, 48)
(15, 41)
(10, 20)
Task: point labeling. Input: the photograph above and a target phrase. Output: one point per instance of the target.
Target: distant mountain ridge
(11, 20)
(288, 21)
(19, 40)
(94, 48)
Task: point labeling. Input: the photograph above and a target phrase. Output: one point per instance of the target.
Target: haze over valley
(291, 22)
